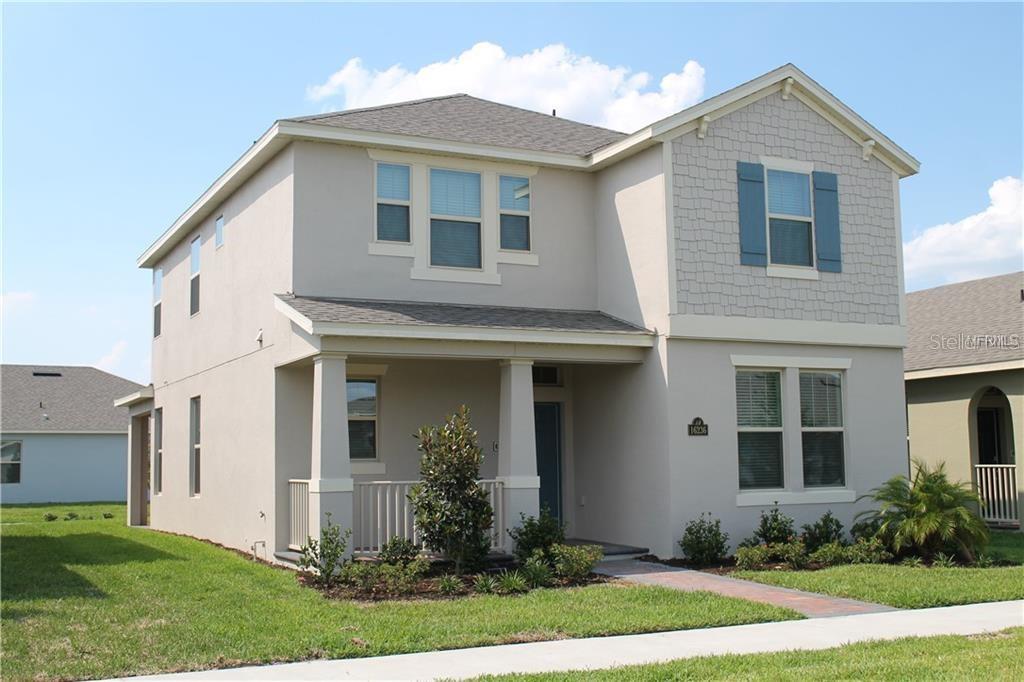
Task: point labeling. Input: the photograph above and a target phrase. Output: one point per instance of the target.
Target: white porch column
(330, 485)
(517, 444)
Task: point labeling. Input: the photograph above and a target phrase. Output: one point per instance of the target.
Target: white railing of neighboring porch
(997, 487)
(381, 511)
(298, 505)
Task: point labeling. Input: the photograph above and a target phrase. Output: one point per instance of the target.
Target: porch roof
(359, 317)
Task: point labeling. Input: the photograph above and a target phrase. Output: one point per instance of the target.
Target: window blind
(760, 457)
(823, 458)
(392, 181)
(758, 399)
(789, 193)
(454, 193)
(821, 399)
(392, 222)
(515, 232)
(790, 242)
(508, 187)
(454, 243)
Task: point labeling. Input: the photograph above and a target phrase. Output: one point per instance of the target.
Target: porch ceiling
(336, 317)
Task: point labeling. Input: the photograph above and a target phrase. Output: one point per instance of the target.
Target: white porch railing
(298, 505)
(381, 511)
(997, 487)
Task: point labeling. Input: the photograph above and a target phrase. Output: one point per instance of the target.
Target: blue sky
(116, 117)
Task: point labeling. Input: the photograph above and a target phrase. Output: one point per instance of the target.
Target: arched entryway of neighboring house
(992, 455)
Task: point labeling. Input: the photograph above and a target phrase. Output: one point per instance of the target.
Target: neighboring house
(588, 294)
(964, 367)
(63, 438)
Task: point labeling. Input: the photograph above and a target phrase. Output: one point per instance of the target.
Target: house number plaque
(697, 427)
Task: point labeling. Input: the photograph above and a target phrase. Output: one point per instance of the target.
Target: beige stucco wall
(941, 426)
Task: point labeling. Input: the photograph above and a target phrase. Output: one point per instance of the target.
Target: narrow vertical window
(454, 219)
(362, 418)
(10, 461)
(158, 450)
(514, 210)
(218, 231)
(195, 459)
(158, 292)
(759, 422)
(193, 295)
(821, 422)
(393, 202)
(790, 240)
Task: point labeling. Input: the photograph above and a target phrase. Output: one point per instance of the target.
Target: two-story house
(703, 316)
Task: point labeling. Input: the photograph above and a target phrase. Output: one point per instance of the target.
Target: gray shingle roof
(463, 118)
(355, 311)
(936, 319)
(80, 399)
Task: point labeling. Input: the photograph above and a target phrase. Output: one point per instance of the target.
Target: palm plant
(928, 514)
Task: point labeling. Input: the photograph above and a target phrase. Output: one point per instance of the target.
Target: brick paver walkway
(810, 604)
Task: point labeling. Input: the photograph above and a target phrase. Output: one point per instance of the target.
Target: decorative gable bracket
(867, 147)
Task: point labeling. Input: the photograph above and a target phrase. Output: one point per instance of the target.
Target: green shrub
(943, 560)
(774, 528)
(452, 511)
(928, 514)
(865, 528)
(753, 557)
(108, 515)
(830, 554)
(537, 533)
(50, 516)
(828, 529)
(912, 562)
(703, 541)
(449, 585)
(984, 561)
(512, 582)
(575, 562)
(793, 554)
(324, 558)
(536, 570)
(485, 583)
(70, 516)
(372, 578)
(869, 551)
(398, 550)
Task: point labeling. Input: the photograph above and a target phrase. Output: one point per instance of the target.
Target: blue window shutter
(826, 222)
(753, 244)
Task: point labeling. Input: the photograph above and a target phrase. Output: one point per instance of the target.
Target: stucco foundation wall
(621, 425)
(705, 470)
(711, 280)
(942, 428)
(69, 468)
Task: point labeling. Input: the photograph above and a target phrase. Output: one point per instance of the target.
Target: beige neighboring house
(705, 315)
(964, 367)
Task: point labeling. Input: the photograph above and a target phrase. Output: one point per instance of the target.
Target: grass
(33, 513)
(97, 599)
(995, 656)
(914, 588)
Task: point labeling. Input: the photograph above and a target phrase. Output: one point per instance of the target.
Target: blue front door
(548, 427)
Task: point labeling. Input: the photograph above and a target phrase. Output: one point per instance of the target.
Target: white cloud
(983, 244)
(112, 360)
(552, 77)
(16, 301)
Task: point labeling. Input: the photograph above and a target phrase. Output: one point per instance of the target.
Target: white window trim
(828, 429)
(371, 465)
(780, 269)
(194, 447)
(517, 256)
(192, 276)
(780, 429)
(218, 234)
(431, 216)
(21, 459)
(386, 247)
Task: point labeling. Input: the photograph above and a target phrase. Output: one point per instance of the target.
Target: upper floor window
(158, 292)
(10, 461)
(194, 417)
(218, 231)
(393, 202)
(454, 219)
(362, 418)
(821, 425)
(514, 212)
(158, 450)
(790, 218)
(759, 422)
(193, 296)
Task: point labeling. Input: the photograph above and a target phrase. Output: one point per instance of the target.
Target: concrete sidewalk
(608, 652)
(810, 604)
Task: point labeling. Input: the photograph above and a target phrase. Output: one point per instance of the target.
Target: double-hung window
(195, 460)
(193, 291)
(759, 418)
(158, 450)
(393, 202)
(821, 422)
(218, 231)
(455, 219)
(790, 218)
(158, 292)
(362, 418)
(514, 212)
(10, 461)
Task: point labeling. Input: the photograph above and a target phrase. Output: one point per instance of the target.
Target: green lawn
(98, 599)
(913, 588)
(981, 657)
(33, 513)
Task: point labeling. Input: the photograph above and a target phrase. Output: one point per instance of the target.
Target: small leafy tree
(453, 514)
(928, 514)
(324, 559)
